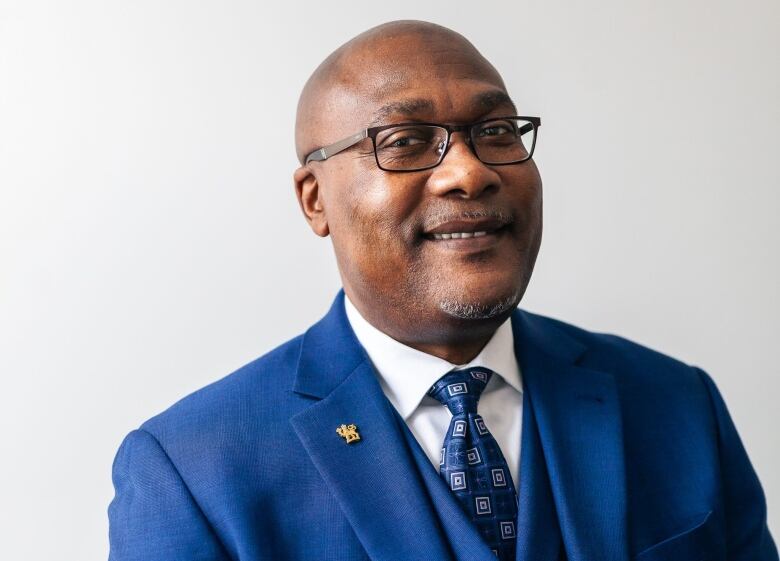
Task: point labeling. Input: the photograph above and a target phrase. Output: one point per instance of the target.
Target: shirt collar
(406, 374)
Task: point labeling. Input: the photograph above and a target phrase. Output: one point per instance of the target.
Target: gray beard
(478, 310)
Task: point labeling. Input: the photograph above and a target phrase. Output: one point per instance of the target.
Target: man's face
(382, 223)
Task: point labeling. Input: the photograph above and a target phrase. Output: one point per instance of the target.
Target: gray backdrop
(150, 241)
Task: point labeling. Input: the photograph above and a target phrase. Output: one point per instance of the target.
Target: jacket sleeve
(747, 534)
(153, 516)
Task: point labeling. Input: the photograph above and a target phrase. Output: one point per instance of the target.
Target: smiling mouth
(467, 233)
(467, 242)
(460, 235)
(463, 235)
(464, 240)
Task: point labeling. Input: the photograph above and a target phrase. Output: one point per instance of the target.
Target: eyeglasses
(498, 141)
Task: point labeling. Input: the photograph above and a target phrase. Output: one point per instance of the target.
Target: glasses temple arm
(528, 127)
(332, 149)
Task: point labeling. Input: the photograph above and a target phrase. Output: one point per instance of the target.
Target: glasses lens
(410, 147)
(504, 141)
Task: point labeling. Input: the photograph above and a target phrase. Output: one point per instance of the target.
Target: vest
(538, 530)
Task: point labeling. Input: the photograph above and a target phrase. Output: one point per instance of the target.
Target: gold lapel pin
(349, 432)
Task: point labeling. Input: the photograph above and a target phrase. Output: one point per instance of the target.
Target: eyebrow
(494, 98)
(406, 107)
(486, 101)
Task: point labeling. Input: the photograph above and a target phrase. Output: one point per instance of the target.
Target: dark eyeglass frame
(332, 149)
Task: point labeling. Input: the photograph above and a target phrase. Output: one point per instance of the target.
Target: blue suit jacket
(642, 461)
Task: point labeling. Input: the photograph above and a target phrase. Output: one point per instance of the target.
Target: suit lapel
(374, 480)
(461, 532)
(578, 416)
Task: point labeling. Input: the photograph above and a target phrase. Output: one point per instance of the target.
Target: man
(393, 428)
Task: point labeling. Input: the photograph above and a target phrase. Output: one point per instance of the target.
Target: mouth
(467, 234)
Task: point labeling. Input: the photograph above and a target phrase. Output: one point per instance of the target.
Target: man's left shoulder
(637, 368)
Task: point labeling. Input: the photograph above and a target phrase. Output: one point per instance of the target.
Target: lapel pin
(349, 432)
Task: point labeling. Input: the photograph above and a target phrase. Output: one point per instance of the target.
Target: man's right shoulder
(258, 392)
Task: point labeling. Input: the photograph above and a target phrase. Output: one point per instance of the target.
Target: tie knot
(459, 390)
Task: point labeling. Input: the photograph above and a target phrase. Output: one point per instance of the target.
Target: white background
(150, 241)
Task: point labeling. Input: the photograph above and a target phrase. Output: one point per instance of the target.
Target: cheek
(525, 190)
(372, 220)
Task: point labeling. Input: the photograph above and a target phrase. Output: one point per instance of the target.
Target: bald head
(345, 89)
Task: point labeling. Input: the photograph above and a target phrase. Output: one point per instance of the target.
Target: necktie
(472, 463)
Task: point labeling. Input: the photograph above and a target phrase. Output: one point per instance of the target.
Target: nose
(461, 173)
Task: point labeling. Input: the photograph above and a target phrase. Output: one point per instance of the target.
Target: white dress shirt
(406, 374)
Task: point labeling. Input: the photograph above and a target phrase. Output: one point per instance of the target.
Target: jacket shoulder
(255, 390)
(631, 362)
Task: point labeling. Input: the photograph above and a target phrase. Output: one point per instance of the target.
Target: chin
(487, 307)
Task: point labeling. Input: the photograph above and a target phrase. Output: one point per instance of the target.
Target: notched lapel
(374, 479)
(579, 420)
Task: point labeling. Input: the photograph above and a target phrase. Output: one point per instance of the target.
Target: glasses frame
(331, 150)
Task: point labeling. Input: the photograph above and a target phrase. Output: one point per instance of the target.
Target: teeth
(458, 235)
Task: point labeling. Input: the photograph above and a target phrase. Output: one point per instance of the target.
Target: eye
(405, 138)
(495, 129)
(405, 141)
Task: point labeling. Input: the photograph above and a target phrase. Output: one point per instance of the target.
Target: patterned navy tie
(472, 463)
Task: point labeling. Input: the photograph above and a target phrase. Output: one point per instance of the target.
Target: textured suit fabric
(642, 458)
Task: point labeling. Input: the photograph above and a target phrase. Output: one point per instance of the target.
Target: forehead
(452, 103)
(422, 89)
(416, 67)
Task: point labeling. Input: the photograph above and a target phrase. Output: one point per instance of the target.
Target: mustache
(436, 218)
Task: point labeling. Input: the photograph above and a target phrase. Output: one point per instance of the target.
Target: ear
(307, 189)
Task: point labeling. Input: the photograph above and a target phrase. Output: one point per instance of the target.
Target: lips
(465, 229)
(459, 235)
